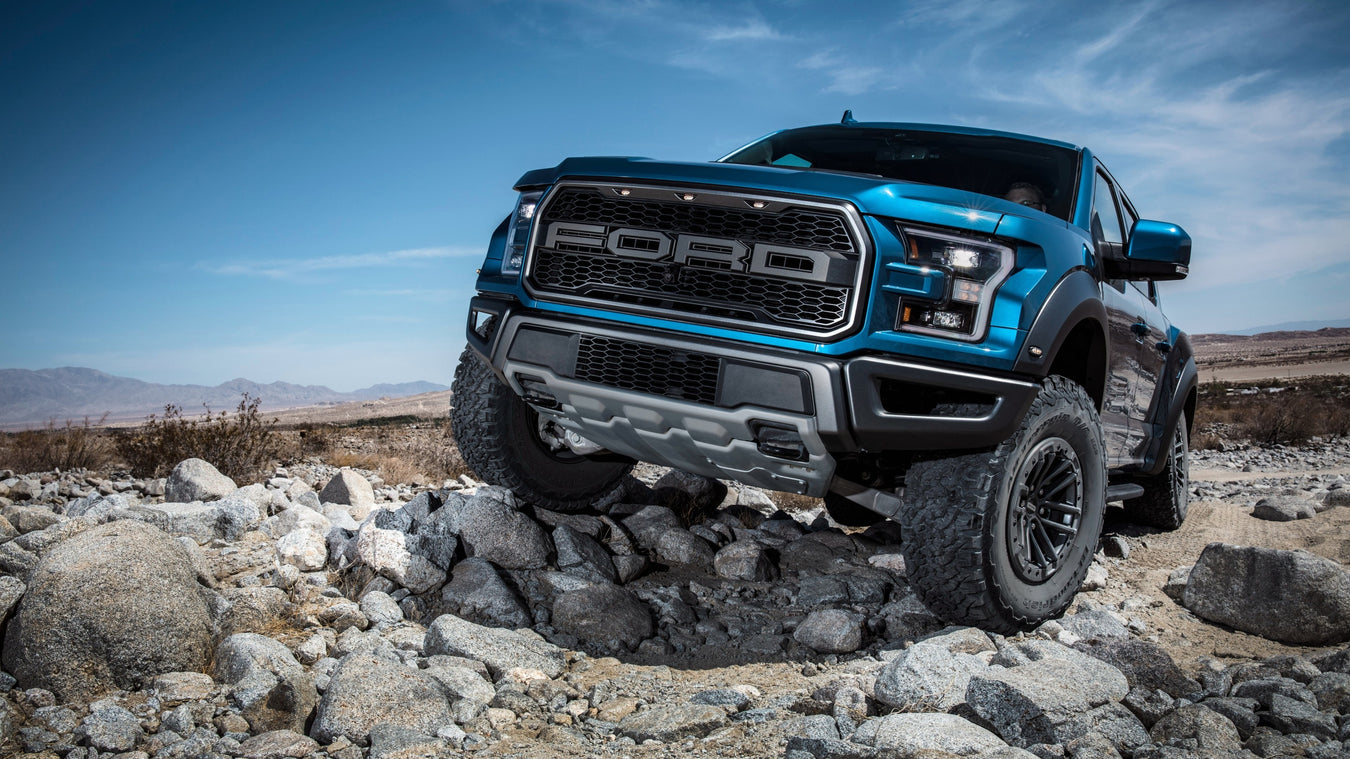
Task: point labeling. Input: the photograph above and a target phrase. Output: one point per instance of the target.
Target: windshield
(988, 165)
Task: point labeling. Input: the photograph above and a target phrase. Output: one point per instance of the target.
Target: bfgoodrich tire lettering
(498, 436)
(1002, 539)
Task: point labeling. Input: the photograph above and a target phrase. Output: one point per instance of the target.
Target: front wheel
(1166, 495)
(506, 443)
(1003, 539)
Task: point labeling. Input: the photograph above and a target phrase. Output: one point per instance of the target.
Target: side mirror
(1157, 251)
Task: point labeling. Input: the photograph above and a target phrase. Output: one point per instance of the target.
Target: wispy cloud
(845, 77)
(291, 268)
(755, 29)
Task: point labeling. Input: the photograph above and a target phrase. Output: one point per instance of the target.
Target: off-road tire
(848, 513)
(498, 436)
(1167, 494)
(967, 566)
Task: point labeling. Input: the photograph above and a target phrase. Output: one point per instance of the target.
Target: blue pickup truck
(957, 329)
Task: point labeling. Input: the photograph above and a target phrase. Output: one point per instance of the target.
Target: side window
(1106, 220)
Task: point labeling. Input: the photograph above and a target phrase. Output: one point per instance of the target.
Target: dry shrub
(1277, 412)
(74, 446)
(241, 446)
(1207, 441)
(1277, 421)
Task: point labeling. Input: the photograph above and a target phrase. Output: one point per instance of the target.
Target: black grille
(642, 368)
(796, 226)
(806, 286)
(710, 291)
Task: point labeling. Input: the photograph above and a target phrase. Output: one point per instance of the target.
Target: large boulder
(197, 480)
(1044, 701)
(1290, 596)
(351, 490)
(270, 687)
(109, 609)
(387, 552)
(365, 691)
(831, 631)
(927, 676)
(910, 733)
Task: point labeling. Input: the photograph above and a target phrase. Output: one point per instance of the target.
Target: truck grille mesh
(643, 368)
(794, 297)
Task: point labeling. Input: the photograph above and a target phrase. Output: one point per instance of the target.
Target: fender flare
(1075, 299)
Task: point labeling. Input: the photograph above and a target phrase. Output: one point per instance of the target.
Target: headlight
(518, 233)
(975, 268)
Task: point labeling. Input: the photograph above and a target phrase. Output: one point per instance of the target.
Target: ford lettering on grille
(767, 264)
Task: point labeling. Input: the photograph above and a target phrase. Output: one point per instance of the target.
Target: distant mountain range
(34, 397)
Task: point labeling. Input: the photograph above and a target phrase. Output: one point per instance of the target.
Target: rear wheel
(507, 443)
(1166, 495)
(1003, 539)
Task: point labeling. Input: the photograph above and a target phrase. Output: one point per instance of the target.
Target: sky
(301, 190)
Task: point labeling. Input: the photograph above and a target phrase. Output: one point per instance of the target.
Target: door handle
(1140, 329)
(1163, 346)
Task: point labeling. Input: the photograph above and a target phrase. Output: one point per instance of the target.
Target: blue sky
(301, 191)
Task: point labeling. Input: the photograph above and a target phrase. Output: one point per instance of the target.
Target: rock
(380, 610)
(580, 555)
(814, 592)
(1144, 664)
(603, 614)
(173, 687)
(1280, 508)
(1037, 702)
(110, 728)
(909, 733)
(1193, 726)
(1240, 711)
(477, 593)
(1113, 722)
(831, 631)
(349, 489)
(365, 691)
(11, 590)
(270, 688)
(500, 650)
(927, 677)
(386, 552)
(102, 508)
(196, 480)
(26, 519)
(278, 744)
(649, 524)
(110, 608)
(682, 547)
(744, 560)
(688, 494)
(398, 742)
(1175, 587)
(1332, 690)
(1231, 585)
(491, 528)
(907, 619)
(1095, 579)
(300, 517)
(462, 682)
(819, 726)
(1291, 716)
(15, 560)
(672, 722)
(304, 549)
(254, 609)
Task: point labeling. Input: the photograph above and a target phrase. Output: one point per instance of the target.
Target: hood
(871, 195)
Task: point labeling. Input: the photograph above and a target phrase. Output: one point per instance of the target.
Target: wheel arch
(1068, 336)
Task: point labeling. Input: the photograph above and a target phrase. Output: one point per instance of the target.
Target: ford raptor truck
(957, 329)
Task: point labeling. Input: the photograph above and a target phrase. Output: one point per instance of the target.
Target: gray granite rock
(380, 610)
(831, 631)
(1033, 702)
(351, 490)
(1144, 664)
(270, 688)
(501, 650)
(11, 590)
(365, 691)
(1195, 727)
(278, 744)
(1283, 508)
(672, 722)
(387, 552)
(196, 480)
(476, 592)
(681, 547)
(927, 677)
(581, 555)
(744, 560)
(604, 615)
(648, 525)
(1231, 585)
(110, 728)
(491, 527)
(110, 608)
(909, 733)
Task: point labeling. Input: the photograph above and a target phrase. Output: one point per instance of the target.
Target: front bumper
(770, 418)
